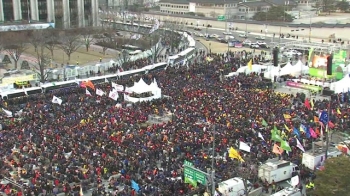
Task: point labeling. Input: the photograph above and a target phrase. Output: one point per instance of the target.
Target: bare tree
(16, 46)
(70, 43)
(88, 35)
(51, 37)
(42, 57)
(170, 35)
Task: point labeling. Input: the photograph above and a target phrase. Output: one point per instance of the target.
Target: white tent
(272, 72)
(141, 87)
(300, 67)
(255, 68)
(342, 85)
(287, 69)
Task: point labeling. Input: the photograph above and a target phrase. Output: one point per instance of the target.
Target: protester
(89, 142)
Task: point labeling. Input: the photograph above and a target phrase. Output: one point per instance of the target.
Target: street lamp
(210, 47)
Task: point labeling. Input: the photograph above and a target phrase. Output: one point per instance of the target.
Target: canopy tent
(342, 85)
(300, 68)
(287, 69)
(255, 68)
(141, 87)
(272, 72)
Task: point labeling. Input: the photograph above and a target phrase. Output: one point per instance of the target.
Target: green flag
(275, 136)
(264, 123)
(285, 146)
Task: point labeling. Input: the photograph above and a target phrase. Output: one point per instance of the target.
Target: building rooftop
(254, 4)
(282, 2)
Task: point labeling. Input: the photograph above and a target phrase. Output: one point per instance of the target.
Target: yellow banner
(18, 79)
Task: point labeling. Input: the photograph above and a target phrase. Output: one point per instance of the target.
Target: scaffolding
(317, 46)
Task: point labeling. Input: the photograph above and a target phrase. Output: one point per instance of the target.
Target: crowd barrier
(71, 73)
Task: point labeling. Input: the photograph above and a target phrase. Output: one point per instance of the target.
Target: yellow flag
(286, 127)
(287, 116)
(338, 111)
(232, 153)
(312, 103)
(250, 64)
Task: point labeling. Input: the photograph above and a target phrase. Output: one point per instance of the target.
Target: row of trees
(276, 13)
(45, 42)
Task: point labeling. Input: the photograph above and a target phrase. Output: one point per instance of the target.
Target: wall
(174, 8)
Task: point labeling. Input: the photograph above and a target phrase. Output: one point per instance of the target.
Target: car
(260, 42)
(263, 45)
(200, 35)
(247, 42)
(243, 35)
(197, 29)
(227, 33)
(254, 46)
(213, 36)
(260, 38)
(209, 25)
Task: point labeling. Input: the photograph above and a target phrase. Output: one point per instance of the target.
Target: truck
(277, 171)
(232, 187)
(315, 158)
(288, 192)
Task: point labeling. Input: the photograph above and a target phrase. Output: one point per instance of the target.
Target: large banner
(318, 65)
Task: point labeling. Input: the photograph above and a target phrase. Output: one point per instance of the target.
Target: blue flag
(342, 97)
(307, 132)
(296, 132)
(324, 117)
(135, 186)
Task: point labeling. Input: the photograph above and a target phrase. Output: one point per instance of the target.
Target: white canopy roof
(141, 87)
(342, 85)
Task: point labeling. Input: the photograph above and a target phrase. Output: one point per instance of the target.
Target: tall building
(64, 13)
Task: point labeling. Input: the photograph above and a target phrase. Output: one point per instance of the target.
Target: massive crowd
(87, 140)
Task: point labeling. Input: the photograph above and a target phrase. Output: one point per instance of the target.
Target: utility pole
(327, 130)
(212, 163)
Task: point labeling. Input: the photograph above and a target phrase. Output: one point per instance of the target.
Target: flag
(88, 84)
(250, 65)
(232, 153)
(24, 90)
(338, 111)
(106, 80)
(287, 116)
(286, 127)
(299, 145)
(261, 136)
(307, 104)
(285, 146)
(244, 146)
(276, 149)
(87, 92)
(316, 119)
(296, 132)
(135, 186)
(113, 95)
(312, 104)
(56, 100)
(331, 125)
(324, 117)
(312, 133)
(303, 128)
(7, 112)
(264, 123)
(117, 87)
(275, 136)
(99, 92)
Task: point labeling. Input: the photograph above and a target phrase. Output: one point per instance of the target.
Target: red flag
(331, 125)
(307, 104)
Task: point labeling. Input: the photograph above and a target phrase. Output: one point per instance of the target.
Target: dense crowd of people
(89, 141)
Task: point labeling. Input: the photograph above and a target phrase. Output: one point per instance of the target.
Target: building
(231, 9)
(208, 8)
(64, 13)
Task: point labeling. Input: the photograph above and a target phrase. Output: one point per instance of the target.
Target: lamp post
(209, 47)
(212, 163)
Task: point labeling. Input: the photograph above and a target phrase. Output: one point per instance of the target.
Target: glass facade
(87, 12)
(8, 10)
(73, 8)
(25, 7)
(58, 13)
(42, 9)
